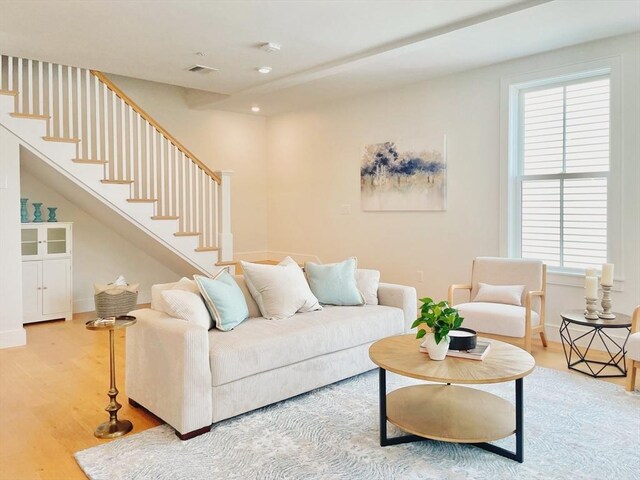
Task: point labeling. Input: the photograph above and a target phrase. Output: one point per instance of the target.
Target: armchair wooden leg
(543, 338)
(631, 376)
(527, 343)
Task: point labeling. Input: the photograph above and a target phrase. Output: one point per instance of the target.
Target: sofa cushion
(254, 310)
(224, 300)
(496, 318)
(261, 345)
(633, 347)
(186, 306)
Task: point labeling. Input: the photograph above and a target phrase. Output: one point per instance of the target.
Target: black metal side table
(577, 357)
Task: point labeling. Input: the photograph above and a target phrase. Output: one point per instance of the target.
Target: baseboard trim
(13, 338)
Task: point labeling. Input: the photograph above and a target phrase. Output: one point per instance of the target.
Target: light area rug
(575, 428)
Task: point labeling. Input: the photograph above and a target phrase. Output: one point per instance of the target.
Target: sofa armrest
(402, 297)
(167, 369)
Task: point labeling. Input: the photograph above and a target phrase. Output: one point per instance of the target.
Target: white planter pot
(436, 351)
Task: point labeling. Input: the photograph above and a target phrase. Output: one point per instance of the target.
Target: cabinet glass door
(56, 240)
(29, 242)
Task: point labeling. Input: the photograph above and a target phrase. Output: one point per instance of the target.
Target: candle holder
(592, 312)
(606, 313)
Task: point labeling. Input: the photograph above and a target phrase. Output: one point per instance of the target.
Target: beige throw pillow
(279, 290)
(507, 294)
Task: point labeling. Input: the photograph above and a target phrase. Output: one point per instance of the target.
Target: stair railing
(85, 107)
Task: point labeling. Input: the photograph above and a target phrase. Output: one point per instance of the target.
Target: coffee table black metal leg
(384, 440)
(518, 455)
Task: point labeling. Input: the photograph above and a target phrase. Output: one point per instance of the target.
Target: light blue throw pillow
(334, 283)
(224, 300)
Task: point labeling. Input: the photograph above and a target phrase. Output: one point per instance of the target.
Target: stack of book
(478, 353)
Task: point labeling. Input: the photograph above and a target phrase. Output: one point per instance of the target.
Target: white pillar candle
(591, 287)
(591, 272)
(607, 274)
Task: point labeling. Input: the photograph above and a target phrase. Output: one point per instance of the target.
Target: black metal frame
(518, 455)
(615, 359)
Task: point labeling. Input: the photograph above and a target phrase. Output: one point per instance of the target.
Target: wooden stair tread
(61, 139)
(186, 234)
(89, 161)
(117, 182)
(30, 115)
(141, 200)
(164, 217)
(8, 92)
(207, 249)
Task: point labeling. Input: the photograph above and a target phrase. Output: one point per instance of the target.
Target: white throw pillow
(279, 290)
(158, 303)
(507, 294)
(186, 306)
(368, 282)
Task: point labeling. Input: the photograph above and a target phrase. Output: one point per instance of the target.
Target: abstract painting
(410, 180)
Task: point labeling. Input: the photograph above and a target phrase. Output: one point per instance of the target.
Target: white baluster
(50, 91)
(109, 156)
(79, 102)
(60, 108)
(20, 89)
(41, 102)
(70, 118)
(97, 130)
(10, 73)
(138, 175)
(1, 72)
(30, 88)
(88, 116)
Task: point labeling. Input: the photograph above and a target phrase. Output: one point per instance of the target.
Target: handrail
(104, 79)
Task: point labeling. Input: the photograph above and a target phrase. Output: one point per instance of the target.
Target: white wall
(99, 253)
(314, 160)
(222, 140)
(12, 333)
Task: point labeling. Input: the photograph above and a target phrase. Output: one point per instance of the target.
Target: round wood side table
(113, 427)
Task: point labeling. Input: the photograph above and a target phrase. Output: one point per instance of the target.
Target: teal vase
(37, 213)
(24, 214)
(52, 214)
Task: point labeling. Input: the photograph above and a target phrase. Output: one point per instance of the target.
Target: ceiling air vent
(202, 69)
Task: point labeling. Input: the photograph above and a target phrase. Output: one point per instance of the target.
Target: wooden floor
(53, 392)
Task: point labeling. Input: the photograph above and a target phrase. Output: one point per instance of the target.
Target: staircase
(85, 127)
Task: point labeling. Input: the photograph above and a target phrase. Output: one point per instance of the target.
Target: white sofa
(191, 377)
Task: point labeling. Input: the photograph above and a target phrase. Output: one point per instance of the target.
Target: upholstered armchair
(633, 350)
(520, 315)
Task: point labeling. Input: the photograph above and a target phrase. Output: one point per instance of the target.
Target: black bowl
(465, 342)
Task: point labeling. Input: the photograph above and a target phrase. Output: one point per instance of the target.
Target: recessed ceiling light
(201, 54)
(255, 109)
(271, 47)
(264, 69)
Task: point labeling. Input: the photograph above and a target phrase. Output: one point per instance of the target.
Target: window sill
(571, 279)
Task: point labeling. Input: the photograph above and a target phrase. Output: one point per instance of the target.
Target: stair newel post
(225, 237)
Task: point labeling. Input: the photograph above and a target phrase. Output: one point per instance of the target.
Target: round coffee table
(452, 413)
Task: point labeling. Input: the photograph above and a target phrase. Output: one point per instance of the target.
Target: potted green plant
(440, 318)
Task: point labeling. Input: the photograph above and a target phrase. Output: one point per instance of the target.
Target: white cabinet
(46, 271)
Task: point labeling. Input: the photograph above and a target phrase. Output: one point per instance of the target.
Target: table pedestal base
(112, 430)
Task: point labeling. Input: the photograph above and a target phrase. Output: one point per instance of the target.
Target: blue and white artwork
(410, 180)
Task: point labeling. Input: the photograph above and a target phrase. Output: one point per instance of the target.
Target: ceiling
(330, 49)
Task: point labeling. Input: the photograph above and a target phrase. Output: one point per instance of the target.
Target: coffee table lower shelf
(451, 413)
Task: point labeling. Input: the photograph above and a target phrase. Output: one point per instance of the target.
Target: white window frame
(511, 115)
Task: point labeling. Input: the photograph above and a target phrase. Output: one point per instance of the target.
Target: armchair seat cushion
(633, 347)
(259, 345)
(496, 318)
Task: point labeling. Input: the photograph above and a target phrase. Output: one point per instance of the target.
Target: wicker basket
(114, 305)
